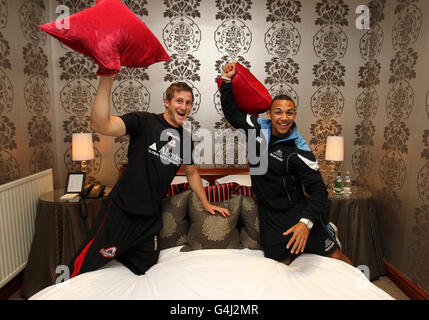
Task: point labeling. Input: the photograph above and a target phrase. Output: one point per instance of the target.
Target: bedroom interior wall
(337, 74)
(27, 116)
(400, 168)
(287, 45)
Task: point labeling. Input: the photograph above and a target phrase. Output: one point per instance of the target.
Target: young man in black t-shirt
(128, 226)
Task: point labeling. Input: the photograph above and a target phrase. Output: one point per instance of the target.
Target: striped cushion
(246, 191)
(220, 192)
(177, 188)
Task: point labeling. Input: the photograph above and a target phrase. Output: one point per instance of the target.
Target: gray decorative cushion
(249, 233)
(209, 231)
(175, 223)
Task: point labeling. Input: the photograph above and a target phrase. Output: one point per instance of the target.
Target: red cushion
(112, 35)
(251, 96)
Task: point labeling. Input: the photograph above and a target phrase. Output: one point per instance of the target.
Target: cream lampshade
(334, 152)
(334, 148)
(82, 148)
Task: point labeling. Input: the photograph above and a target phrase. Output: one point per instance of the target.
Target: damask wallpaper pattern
(9, 167)
(26, 133)
(233, 40)
(367, 102)
(367, 85)
(327, 102)
(282, 42)
(36, 91)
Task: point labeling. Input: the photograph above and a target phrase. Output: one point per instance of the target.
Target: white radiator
(18, 204)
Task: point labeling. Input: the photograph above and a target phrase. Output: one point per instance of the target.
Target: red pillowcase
(251, 95)
(112, 35)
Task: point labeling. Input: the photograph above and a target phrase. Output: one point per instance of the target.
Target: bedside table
(60, 229)
(356, 218)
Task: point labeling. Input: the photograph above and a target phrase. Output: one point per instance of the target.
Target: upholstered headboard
(211, 174)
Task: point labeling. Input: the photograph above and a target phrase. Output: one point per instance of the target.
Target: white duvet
(221, 274)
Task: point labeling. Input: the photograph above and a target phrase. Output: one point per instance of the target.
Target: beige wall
(309, 49)
(401, 168)
(27, 121)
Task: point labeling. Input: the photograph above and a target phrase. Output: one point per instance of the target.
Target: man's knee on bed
(337, 254)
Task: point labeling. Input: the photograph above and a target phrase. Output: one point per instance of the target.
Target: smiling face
(178, 108)
(282, 115)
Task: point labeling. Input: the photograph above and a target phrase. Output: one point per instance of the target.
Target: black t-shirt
(155, 153)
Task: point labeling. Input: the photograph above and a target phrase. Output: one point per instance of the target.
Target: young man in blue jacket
(290, 222)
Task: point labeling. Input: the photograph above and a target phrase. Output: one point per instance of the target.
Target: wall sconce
(82, 149)
(334, 153)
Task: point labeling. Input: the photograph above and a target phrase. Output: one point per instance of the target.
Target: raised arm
(101, 120)
(237, 118)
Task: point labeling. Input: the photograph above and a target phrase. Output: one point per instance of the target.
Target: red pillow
(112, 35)
(251, 95)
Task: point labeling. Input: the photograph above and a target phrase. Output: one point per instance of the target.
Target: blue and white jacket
(292, 167)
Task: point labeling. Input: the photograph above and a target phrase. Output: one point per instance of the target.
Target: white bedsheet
(219, 274)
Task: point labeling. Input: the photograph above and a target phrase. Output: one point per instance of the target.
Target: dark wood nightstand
(356, 218)
(61, 228)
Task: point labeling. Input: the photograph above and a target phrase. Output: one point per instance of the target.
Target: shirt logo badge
(278, 154)
(153, 146)
(109, 252)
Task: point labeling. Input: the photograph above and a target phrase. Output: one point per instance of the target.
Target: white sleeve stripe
(312, 164)
(249, 121)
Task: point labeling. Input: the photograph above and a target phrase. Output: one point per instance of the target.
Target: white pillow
(241, 179)
(183, 179)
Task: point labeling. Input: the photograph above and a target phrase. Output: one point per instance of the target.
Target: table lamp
(334, 152)
(82, 149)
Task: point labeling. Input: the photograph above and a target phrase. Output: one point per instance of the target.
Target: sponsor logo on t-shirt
(109, 252)
(166, 153)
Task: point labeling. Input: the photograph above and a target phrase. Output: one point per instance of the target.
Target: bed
(220, 274)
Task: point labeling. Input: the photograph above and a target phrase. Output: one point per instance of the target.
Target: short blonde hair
(177, 87)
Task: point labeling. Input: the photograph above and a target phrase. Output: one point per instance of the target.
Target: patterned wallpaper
(367, 102)
(367, 85)
(26, 130)
(9, 167)
(327, 102)
(396, 169)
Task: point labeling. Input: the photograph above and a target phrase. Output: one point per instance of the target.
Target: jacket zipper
(284, 185)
